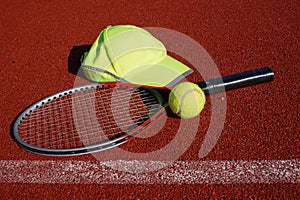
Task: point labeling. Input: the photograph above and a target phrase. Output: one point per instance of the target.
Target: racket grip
(236, 81)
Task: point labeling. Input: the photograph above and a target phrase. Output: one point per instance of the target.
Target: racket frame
(104, 145)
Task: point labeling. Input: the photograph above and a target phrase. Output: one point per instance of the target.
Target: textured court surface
(257, 154)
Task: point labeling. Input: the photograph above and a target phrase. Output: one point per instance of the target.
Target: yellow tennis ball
(186, 100)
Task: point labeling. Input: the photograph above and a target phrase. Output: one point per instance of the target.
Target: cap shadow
(74, 59)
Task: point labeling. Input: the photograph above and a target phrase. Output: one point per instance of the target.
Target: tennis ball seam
(185, 94)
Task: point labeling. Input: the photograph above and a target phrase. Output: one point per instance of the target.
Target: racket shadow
(11, 129)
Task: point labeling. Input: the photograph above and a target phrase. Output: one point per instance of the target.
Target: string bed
(87, 117)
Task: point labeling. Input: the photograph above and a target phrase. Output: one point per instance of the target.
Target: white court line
(188, 172)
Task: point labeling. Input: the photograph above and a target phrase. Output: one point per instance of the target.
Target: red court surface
(257, 154)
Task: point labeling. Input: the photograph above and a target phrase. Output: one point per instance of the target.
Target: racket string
(87, 117)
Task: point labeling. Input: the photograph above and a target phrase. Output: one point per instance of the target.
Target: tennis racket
(100, 116)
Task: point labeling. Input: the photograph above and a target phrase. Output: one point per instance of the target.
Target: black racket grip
(236, 81)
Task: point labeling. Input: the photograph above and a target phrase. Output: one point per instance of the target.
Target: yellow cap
(131, 54)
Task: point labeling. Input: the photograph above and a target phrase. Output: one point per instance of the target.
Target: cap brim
(167, 72)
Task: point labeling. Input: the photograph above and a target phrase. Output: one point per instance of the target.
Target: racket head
(87, 118)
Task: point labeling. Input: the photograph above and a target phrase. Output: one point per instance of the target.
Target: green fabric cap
(131, 54)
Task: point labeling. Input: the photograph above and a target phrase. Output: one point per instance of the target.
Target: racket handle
(236, 81)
